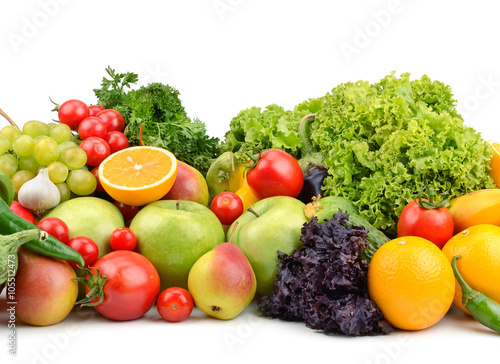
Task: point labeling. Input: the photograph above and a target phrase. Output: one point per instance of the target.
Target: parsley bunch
(165, 120)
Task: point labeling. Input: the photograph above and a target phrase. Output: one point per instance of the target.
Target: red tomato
(277, 173)
(96, 149)
(87, 248)
(72, 112)
(55, 227)
(227, 206)
(22, 211)
(123, 239)
(95, 172)
(95, 109)
(131, 287)
(116, 140)
(92, 127)
(127, 211)
(174, 304)
(113, 119)
(435, 225)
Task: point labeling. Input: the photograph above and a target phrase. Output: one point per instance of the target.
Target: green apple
(90, 216)
(189, 185)
(274, 225)
(173, 235)
(222, 282)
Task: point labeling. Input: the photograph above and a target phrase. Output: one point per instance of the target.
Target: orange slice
(495, 162)
(139, 175)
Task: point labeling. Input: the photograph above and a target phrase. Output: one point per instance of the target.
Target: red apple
(189, 185)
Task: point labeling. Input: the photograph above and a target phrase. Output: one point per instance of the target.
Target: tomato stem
(429, 203)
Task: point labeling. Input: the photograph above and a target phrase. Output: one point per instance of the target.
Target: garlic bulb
(39, 194)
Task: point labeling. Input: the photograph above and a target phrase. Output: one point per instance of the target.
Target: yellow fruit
(478, 207)
(495, 162)
(412, 282)
(247, 196)
(479, 265)
(138, 175)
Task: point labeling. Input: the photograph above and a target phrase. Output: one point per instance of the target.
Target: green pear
(270, 225)
(222, 282)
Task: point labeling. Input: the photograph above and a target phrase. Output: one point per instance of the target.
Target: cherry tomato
(113, 119)
(95, 109)
(87, 248)
(55, 227)
(128, 211)
(116, 140)
(92, 127)
(72, 112)
(22, 211)
(131, 288)
(277, 173)
(435, 225)
(123, 239)
(96, 149)
(227, 206)
(174, 304)
(95, 172)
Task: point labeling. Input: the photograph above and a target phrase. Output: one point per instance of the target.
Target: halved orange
(495, 162)
(138, 175)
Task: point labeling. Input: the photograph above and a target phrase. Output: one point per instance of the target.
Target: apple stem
(178, 204)
(232, 232)
(253, 211)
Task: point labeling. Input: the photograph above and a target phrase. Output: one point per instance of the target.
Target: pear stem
(232, 232)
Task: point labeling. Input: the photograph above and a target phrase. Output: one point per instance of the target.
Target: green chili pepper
(482, 308)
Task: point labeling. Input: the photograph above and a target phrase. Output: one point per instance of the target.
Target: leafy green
(274, 127)
(166, 123)
(380, 140)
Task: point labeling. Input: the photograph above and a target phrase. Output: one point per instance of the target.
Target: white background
(224, 56)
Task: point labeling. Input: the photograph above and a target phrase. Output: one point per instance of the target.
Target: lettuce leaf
(380, 140)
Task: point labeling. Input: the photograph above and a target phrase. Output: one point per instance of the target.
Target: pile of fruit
(123, 223)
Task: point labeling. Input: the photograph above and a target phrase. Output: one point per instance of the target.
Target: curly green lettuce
(379, 141)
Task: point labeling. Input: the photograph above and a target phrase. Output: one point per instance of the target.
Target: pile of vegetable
(324, 284)
(377, 141)
(166, 123)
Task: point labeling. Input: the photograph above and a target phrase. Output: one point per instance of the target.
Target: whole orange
(412, 282)
(479, 265)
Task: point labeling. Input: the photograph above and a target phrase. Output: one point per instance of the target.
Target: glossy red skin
(22, 211)
(95, 172)
(277, 173)
(175, 304)
(113, 119)
(189, 185)
(95, 109)
(55, 227)
(116, 140)
(45, 290)
(131, 288)
(92, 127)
(123, 239)
(227, 206)
(127, 211)
(435, 225)
(72, 112)
(87, 248)
(96, 149)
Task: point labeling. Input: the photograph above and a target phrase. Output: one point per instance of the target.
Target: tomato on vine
(275, 173)
(427, 219)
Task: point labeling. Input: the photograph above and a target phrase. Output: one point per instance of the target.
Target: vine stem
(8, 119)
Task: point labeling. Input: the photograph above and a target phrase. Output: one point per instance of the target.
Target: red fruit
(92, 127)
(113, 119)
(96, 149)
(116, 140)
